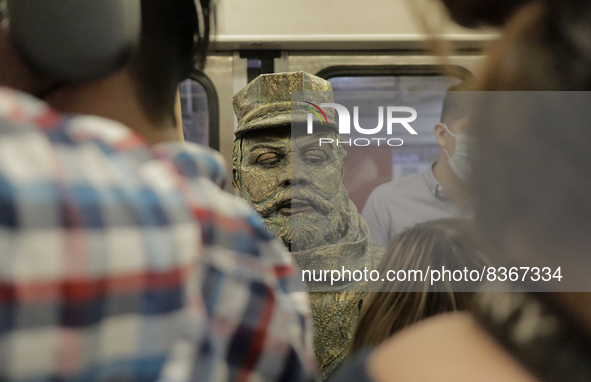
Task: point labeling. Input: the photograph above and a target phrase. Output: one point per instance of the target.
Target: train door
(354, 46)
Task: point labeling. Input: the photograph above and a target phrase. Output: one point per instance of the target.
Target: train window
(372, 86)
(200, 110)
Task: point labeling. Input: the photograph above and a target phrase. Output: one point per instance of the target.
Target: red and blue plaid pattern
(117, 258)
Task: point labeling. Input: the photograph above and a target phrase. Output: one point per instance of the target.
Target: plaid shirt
(112, 253)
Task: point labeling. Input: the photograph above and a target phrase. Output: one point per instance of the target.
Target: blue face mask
(460, 161)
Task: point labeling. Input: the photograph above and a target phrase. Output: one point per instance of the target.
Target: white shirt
(406, 201)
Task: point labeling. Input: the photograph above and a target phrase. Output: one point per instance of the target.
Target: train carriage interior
(302, 191)
(377, 50)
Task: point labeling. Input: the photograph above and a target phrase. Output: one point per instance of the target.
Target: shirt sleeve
(375, 216)
(248, 320)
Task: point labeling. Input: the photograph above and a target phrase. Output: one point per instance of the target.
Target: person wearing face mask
(440, 192)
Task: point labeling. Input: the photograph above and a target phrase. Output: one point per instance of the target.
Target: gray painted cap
(267, 101)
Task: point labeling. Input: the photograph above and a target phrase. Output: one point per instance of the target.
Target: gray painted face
(296, 186)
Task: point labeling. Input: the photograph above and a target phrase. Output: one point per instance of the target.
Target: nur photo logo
(393, 115)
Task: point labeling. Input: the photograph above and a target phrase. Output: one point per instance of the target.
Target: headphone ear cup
(75, 40)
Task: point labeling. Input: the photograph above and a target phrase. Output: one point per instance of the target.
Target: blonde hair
(452, 243)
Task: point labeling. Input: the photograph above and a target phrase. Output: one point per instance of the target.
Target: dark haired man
(438, 193)
(142, 96)
(100, 233)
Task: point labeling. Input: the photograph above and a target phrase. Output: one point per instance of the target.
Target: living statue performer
(296, 184)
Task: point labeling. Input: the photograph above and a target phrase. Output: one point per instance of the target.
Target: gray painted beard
(305, 231)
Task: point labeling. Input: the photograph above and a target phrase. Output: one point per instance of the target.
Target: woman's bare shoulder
(446, 348)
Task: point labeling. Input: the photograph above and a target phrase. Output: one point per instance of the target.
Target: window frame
(403, 70)
(213, 106)
(395, 70)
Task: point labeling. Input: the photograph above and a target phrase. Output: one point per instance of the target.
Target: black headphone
(73, 40)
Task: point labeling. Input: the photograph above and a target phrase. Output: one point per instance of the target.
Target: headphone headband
(73, 40)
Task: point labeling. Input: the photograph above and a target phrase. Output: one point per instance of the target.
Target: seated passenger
(451, 243)
(297, 187)
(109, 254)
(440, 192)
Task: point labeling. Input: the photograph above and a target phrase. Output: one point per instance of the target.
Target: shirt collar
(438, 191)
(435, 188)
(18, 108)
